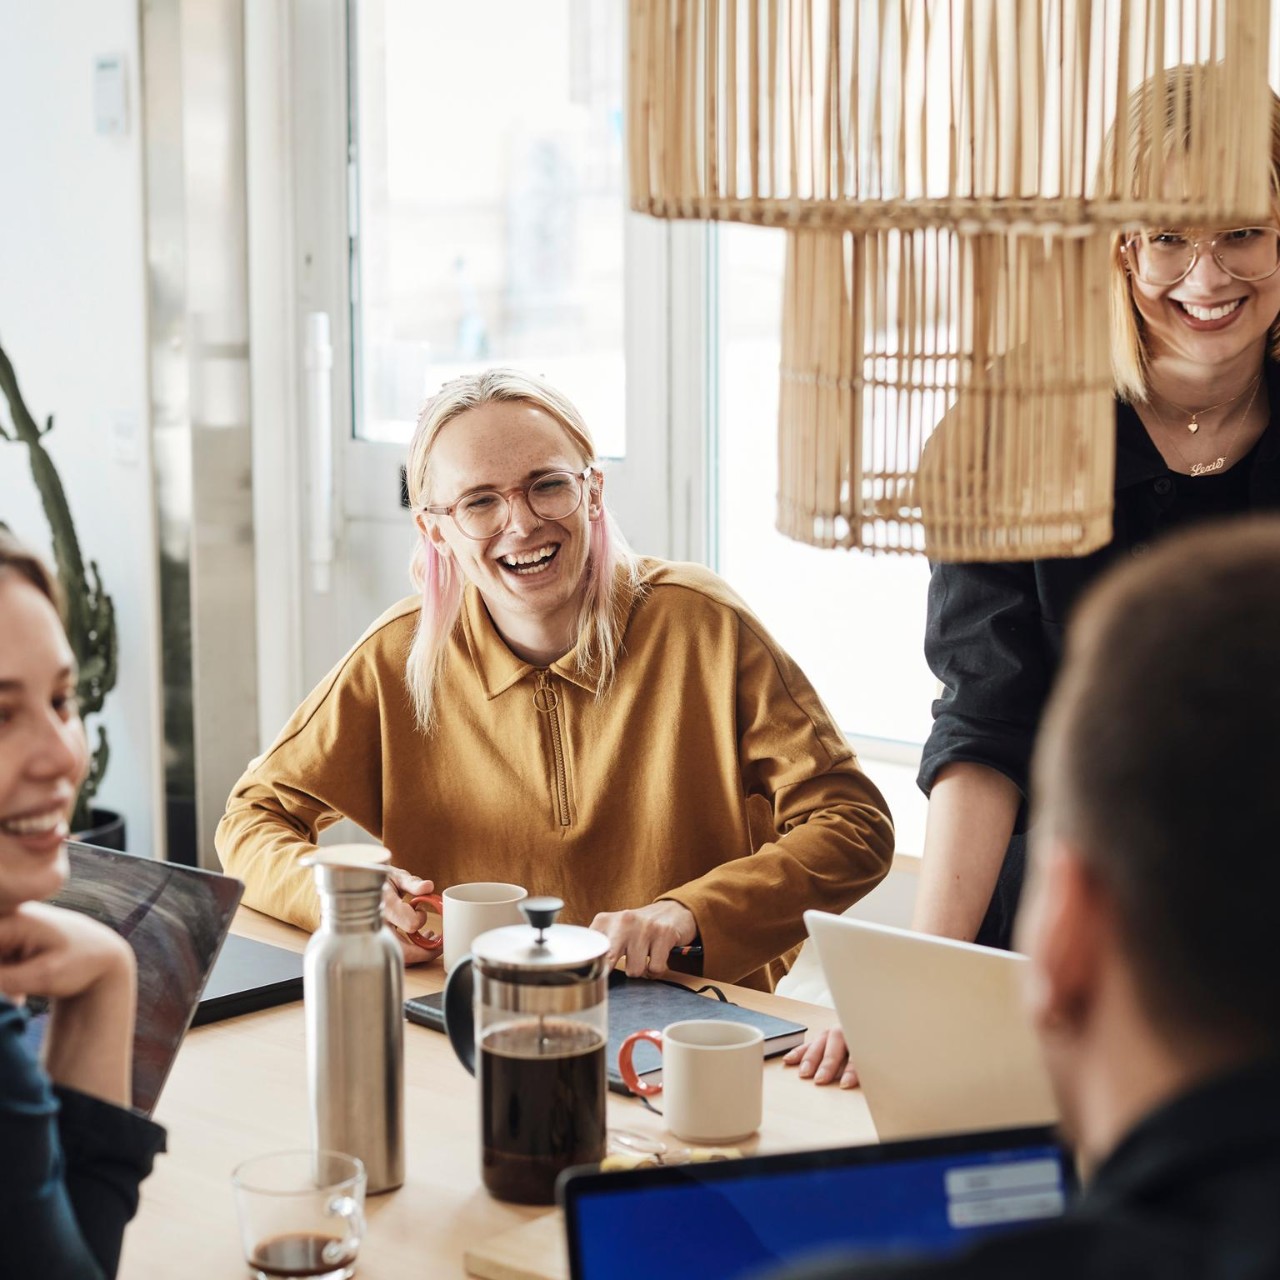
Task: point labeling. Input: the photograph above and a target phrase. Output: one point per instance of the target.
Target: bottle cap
(349, 868)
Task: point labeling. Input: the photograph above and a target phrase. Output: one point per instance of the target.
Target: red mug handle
(628, 1072)
(430, 941)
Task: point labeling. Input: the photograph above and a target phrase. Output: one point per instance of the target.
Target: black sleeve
(985, 642)
(69, 1169)
(109, 1152)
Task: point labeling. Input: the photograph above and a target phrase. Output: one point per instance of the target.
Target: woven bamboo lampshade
(950, 174)
(885, 335)
(867, 113)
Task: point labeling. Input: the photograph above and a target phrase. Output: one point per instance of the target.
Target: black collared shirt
(1193, 1193)
(994, 632)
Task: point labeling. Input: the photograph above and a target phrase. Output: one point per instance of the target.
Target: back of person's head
(1159, 761)
(16, 559)
(1160, 134)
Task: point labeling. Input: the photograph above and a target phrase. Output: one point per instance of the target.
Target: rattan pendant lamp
(951, 174)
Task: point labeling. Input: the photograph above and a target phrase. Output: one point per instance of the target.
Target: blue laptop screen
(711, 1220)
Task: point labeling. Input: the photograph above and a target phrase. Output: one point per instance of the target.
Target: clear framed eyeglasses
(1164, 257)
(485, 513)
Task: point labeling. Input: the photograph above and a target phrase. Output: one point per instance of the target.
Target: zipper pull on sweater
(545, 697)
(547, 701)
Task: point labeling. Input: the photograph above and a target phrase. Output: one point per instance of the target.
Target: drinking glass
(301, 1214)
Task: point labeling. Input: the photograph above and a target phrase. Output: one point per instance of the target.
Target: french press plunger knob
(541, 913)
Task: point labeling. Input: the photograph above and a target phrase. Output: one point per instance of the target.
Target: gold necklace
(1193, 426)
(1208, 468)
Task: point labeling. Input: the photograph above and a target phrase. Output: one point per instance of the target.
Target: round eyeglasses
(485, 513)
(1166, 257)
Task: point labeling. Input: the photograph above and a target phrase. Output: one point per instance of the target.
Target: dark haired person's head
(1158, 804)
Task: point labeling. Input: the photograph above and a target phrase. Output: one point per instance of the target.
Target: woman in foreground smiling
(73, 1155)
(554, 711)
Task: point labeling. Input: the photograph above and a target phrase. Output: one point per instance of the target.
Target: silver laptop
(935, 1028)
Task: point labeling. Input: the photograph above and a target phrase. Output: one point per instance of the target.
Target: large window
(854, 622)
(488, 156)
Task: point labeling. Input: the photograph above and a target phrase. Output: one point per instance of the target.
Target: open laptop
(731, 1218)
(175, 918)
(935, 1027)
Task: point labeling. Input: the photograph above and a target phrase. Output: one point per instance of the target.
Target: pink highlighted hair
(611, 564)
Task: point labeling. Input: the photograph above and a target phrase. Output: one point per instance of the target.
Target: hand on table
(645, 935)
(825, 1058)
(403, 918)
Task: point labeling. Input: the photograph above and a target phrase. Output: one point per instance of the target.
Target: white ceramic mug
(712, 1078)
(468, 910)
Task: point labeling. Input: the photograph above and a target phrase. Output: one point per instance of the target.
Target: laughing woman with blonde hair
(612, 567)
(552, 710)
(1195, 337)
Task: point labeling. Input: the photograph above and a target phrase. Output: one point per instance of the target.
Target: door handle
(318, 359)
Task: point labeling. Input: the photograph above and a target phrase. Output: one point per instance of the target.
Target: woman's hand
(403, 918)
(825, 1058)
(88, 971)
(49, 951)
(645, 935)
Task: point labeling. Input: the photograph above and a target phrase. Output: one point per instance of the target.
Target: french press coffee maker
(526, 1013)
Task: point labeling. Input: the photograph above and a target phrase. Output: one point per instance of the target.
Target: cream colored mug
(712, 1078)
(468, 910)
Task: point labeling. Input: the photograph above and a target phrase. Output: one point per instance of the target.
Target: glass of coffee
(301, 1214)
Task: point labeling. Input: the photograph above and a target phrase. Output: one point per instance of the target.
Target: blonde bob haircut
(612, 567)
(1129, 354)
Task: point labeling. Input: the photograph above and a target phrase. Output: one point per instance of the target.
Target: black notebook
(249, 975)
(637, 1004)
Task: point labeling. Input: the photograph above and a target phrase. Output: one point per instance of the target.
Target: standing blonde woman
(1195, 319)
(71, 1153)
(1195, 336)
(554, 711)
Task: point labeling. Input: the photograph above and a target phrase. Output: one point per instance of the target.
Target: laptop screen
(175, 918)
(730, 1218)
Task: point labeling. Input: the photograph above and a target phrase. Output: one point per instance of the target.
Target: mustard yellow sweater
(710, 773)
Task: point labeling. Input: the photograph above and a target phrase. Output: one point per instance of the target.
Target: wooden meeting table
(239, 1089)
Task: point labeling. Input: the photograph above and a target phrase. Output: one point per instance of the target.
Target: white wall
(73, 320)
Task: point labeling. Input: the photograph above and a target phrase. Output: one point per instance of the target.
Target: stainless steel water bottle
(353, 990)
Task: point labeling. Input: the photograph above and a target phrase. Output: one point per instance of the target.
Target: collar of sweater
(499, 669)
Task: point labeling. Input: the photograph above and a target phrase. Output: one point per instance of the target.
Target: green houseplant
(91, 621)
